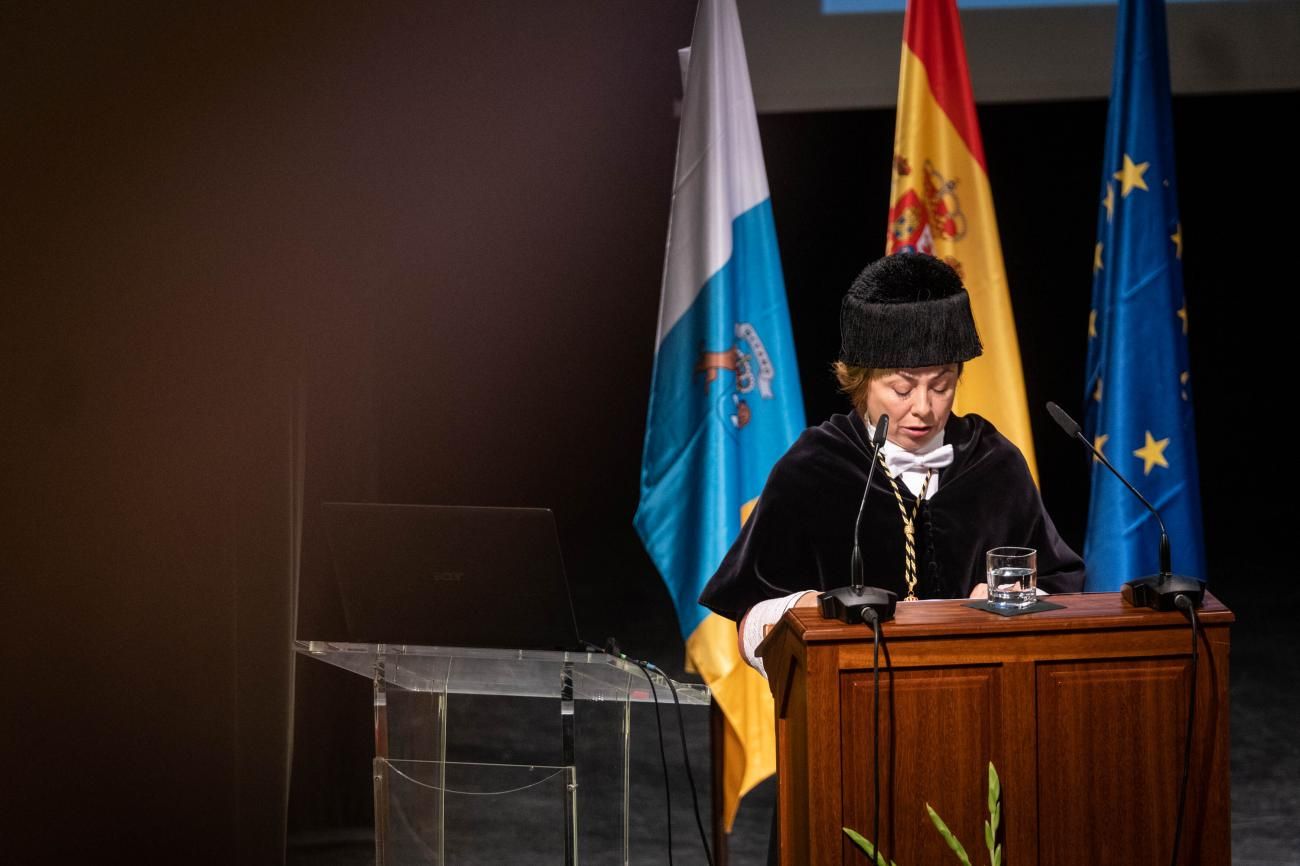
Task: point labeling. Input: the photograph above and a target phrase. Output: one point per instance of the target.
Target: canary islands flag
(725, 400)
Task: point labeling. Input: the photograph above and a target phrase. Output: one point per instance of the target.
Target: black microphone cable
(686, 758)
(1185, 604)
(663, 757)
(873, 617)
(612, 648)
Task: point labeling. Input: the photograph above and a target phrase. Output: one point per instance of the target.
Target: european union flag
(1139, 389)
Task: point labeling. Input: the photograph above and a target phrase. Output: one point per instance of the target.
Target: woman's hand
(981, 590)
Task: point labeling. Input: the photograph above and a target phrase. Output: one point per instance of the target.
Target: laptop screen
(452, 576)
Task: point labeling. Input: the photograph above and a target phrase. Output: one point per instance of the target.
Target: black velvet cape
(800, 535)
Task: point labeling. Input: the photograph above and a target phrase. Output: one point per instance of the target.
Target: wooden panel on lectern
(1116, 756)
(1083, 709)
(1110, 714)
(935, 724)
(792, 749)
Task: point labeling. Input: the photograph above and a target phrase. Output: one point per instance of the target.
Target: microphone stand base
(848, 603)
(1158, 591)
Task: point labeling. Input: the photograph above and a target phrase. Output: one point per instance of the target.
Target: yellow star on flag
(1109, 202)
(1182, 314)
(1096, 259)
(1130, 176)
(1100, 444)
(1096, 395)
(1177, 238)
(1092, 323)
(1153, 453)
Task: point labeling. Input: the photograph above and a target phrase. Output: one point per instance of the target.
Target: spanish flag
(942, 205)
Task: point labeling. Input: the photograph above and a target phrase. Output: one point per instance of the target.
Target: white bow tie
(904, 461)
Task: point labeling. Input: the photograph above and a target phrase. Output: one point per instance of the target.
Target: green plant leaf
(995, 801)
(995, 815)
(866, 846)
(861, 841)
(997, 856)
(952, 841)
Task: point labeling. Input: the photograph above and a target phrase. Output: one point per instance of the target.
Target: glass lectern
(533, 755)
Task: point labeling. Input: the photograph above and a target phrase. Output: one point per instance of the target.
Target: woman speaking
(948, 488)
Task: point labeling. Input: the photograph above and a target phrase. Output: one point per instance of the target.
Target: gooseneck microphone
(877, 442)
(1163, 591)
(870, 604)
(856, 602)
(1159, 591)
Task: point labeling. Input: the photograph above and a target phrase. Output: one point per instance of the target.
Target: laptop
(451, 576)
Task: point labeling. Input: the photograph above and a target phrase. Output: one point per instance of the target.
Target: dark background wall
(257, 257)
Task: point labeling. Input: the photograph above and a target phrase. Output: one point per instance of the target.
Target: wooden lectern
(1083, 710)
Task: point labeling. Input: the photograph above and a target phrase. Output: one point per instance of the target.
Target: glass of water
(1013, 576)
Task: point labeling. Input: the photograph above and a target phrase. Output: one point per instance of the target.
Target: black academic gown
(800, 535)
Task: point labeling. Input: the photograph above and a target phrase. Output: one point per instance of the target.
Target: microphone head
(1066, 423)
(882, 428)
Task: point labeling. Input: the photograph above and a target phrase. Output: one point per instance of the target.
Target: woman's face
(918, 402)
